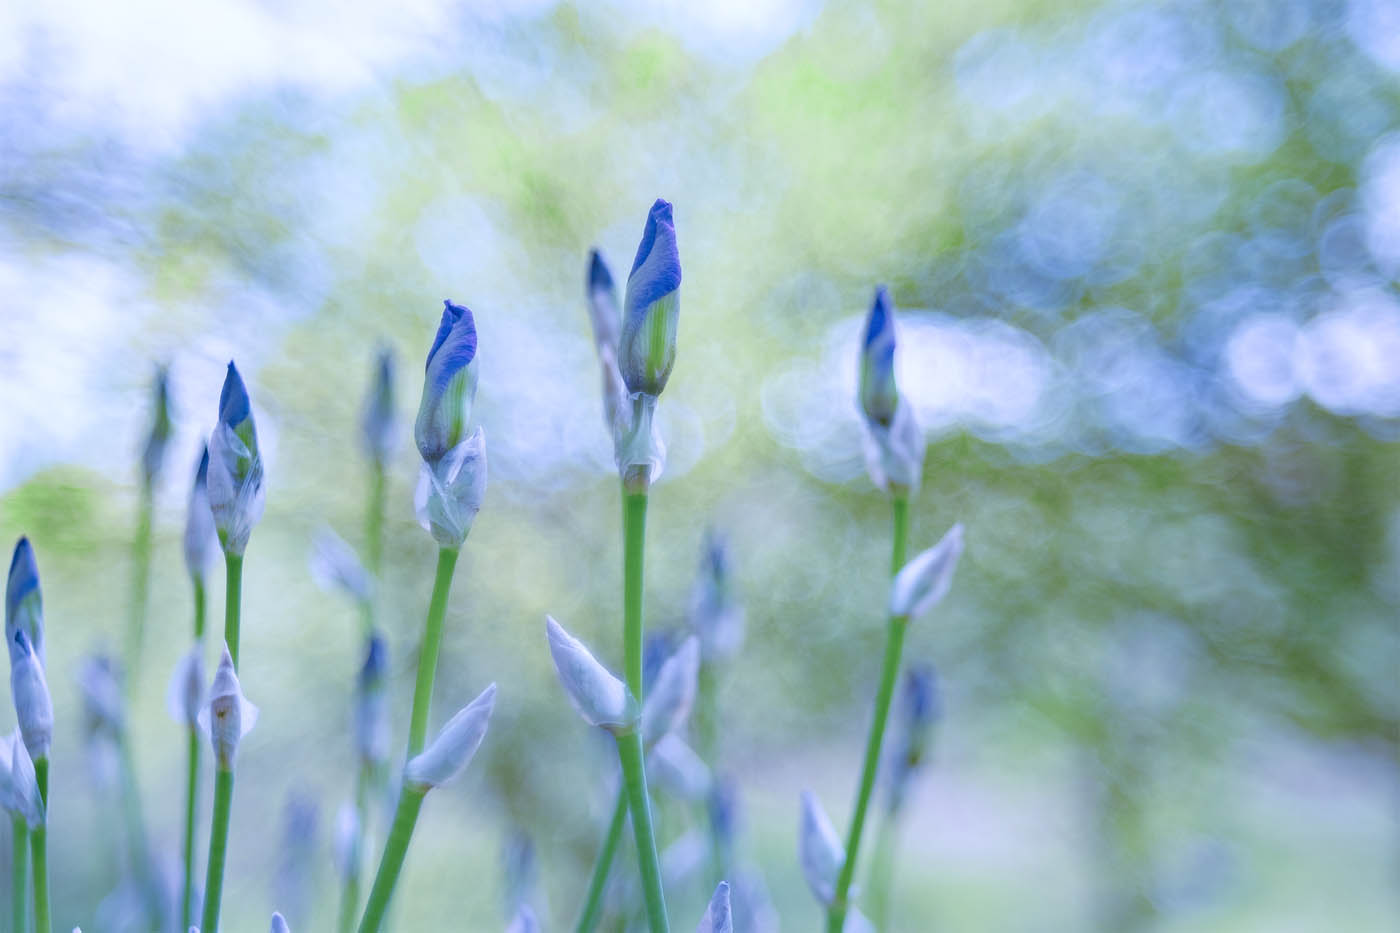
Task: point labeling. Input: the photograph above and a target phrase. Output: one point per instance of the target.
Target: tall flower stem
(233, 601)
(19, 874)
(192, 776)
(889, 674)
(395, 848)
(218, 849)
(634, 778)
(598, 882)
(634, 536)
(428, 656)
(38, 848)
(140, 587)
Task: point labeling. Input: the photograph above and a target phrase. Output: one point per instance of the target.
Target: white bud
(33, 705)
(279, 924)
(717, 917)
(669, 701)
(679, 769)
(448, 754)
(345, 842)
(894, 455)
(524, 921)
(641, 454)
(229, 716)
(925, 580)
(600, 698)
(185, 697)
(19, 788)
(450, 491)
(819, 849)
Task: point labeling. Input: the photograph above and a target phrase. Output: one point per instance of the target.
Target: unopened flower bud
(279, 924)
(925, 580)
(371, 710)
(679, 769)
(235, 477)
(879, 396)
(651, 308)
(448, 754)
(819, 849)
(185, 697)
(715, 613)
(228, 716)
(449, 385)
(672, 693)
(19, 788)
(103, 702)
(200, 536)
(917, 712)
(717, 917)
(379, 422)
(600, 698)
(524, 921)
(153, 454)
(450, 491)
(602, 304)
(33, 705)
(24, 601)
(336, 566)
(894, 453)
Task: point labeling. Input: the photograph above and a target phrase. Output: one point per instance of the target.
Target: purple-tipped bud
(158, 439)
(879, 396)
(24, 601)
(448, 754)
(449, 385)
(819, 849)
(672, 693)
(450, 490)
(717, 917)
(925, 580)
(235, 475)
(679, 769)
(715, 613)
(185, 697)
(201, 538)
(371, 708)
(917, 712)
(602, 304)
(336, 566)
(380, 423)
(229, 716)
(600, 698)
(651, 308)
(33, 705)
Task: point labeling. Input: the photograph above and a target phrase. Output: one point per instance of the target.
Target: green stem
(428, 656)
(634, 778)
(191, 802)
(634, 535)
(395, 848)
(19, 875)
(233, 600)
(140, 586)
(598, 883)
(199, 609)
(38, 848)
(218, 850)
(900, 507)
(889, 672)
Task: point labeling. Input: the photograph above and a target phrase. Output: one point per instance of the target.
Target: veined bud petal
(200, 536)
(641, 454)
(449, 385)
(235, 476)
(715, 614)
(651, 308)
(371, 709)
(450, 490)
(158, 439)
(33, 705)
(19, 788)
(279, 924)
(448, 754)
(879, 396)
(925, 580)
(379, 423)
(104, 704)
(229, 716)
(819, 849)
(336, 566)
(600, 698)
(24, 601)
(679, 769)
(672, 694)
(894, 454)
(185, 697)
(717, 917)
(602, 304)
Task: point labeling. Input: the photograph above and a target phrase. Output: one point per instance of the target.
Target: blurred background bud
(715, 614)
(672, 692)
(819, 849)
(200, 538)
(717, 917)
(678, 769)
(99, 682)
(158, 437)
(336, 567)
(185, 697)
(372, 729)
(602, 304)
(379, 422)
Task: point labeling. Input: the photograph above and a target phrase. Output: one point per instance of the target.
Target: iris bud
(925, 580)
(19, 788)
(651, 308)
(602, 303)
(336, 566)
(672, 693)
(24, 601)
(371, 711)
(153, 454)
(448, 754)
(450, 490)
(717, 917)
(598, 696)
(228, 716)
(449, 385)
(30, 689)
(200, 536)
(185, 697)
(235, 475)
(819, 849)
(879, 396)
(715, 614)
(379, 424)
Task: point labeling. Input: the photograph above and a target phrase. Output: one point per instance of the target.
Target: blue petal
(376, 663)
(880, 319)
(234, 406)
(201, 475)
(451, 315)
(23, 579)
(656, 272)
(598, 274)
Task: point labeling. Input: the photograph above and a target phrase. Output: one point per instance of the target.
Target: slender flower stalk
(228, 718)
(19, 874)
(917, 588)
(38, 852)
(152, 460)
(602, 866)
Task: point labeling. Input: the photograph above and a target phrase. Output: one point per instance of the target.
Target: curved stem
(889, 672)
(634, 777)
(191, 802)
(19, 874)
(428, 656)
(233, 601)
(140, 586)
(634, 534)
(598, 882)
(218, 850)
(38, 848)
(395, 848)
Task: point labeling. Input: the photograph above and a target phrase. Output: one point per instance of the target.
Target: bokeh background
(1145, 255)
